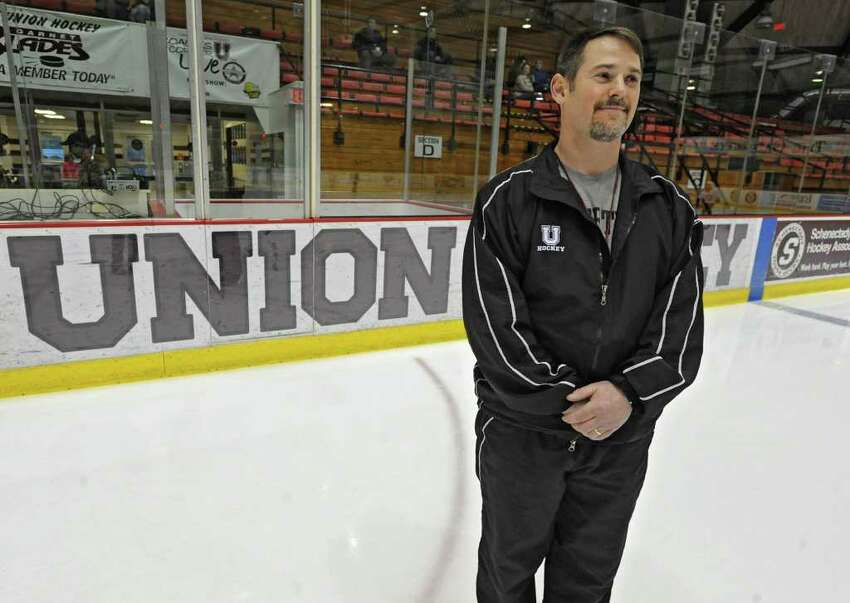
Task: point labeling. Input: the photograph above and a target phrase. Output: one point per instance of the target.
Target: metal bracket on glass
(604, 11)
(826, 62)
(767, 50)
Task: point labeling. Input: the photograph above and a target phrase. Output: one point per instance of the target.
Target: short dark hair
(571, 56)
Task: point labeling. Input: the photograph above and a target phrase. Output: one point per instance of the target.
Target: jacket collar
(547, 182)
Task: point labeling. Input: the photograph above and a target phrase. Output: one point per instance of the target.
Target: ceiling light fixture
(765, 20)
(423, 12)
(146, 122)
(45, 112)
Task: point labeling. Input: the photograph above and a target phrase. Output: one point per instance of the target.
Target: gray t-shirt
(600, 199)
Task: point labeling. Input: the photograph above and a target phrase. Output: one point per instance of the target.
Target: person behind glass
(540, 77)
(112, 9)
(523, 86)
(431, 56)
(140, 11)
(371, 47)
(582, 302)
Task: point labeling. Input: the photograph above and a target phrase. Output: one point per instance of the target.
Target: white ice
(351, 480)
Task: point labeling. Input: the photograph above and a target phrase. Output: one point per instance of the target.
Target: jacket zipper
(572, 447)
(603, 299)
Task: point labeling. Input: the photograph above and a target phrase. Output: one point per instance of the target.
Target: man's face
(602, 100)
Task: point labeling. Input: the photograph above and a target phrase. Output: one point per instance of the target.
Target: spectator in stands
(514, 71)
(706, 198)
(112, 9)
(371, 47)
(140, 12)
(540, 77)
(523, 86)
(431, 56)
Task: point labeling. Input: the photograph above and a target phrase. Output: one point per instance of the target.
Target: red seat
(373, 87)
(270, 34)
(373, 113)
(443, 85)
(466, 107)
(286, 66)
(47, 4)
(420, 83)
(396, 90)
(366, 98)
(442, 94)
(442, 105)
(328, 82)
(522, 103)
(418, 102)
(419, 92)
(464, 96)
(330, 71)
(391, 100)
(230, 28)
(357, 75)
(80, 8)
(399, 79)
(288, 78)
(381, 77)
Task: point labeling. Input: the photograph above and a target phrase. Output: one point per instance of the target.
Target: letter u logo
(551, 234)
(222, 50)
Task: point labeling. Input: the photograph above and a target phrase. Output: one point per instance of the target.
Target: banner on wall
(61, 51)
(236, 70)
(84, 293)
(809, 248)
(70, 52)
(728, 249)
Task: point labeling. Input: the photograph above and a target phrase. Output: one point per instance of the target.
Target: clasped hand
(598, 410)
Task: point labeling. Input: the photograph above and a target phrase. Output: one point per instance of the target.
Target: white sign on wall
(429, 147)
(236, 70)
(61, 51)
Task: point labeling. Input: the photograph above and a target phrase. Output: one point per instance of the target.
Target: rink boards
(87, 303)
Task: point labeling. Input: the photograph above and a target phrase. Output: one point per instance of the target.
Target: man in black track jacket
(582, 301)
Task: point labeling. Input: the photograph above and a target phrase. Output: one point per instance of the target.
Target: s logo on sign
(788, 250)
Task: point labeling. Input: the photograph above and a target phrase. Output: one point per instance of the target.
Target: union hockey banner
(60, 51)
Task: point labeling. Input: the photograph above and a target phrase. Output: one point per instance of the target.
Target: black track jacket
(547, 308)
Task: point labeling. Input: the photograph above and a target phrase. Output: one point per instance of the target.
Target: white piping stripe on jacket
(640, 364)
(684, 345)
(490, 326)
(513, 326)
(666, 310)
(493, 194)
(481, 445)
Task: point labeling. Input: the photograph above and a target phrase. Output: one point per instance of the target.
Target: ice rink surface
(351, 480)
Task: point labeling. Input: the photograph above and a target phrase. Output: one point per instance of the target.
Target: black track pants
(542, 501)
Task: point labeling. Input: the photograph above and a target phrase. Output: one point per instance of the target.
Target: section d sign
(429, 147)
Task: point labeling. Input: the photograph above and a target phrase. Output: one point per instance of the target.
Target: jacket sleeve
(495, 314)
(668, 354)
